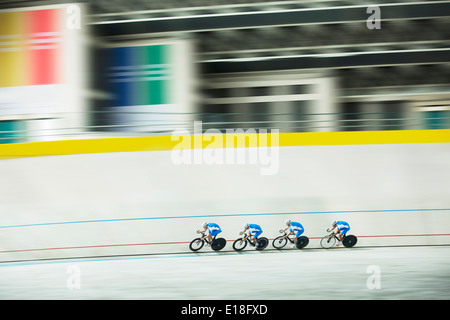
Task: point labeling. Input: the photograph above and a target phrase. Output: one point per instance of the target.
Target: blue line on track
(218, 215)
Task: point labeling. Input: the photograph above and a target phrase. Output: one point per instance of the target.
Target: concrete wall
(143, 203)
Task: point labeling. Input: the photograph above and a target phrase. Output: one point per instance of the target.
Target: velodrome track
(116, 224)
(411, 272)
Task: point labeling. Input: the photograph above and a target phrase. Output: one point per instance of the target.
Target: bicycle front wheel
(196, 244)
(279, 242)
(239, 244)
(327, 242)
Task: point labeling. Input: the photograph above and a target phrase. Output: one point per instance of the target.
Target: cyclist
(341, 227)
(213, 230)
(254, 231)
(294, 228)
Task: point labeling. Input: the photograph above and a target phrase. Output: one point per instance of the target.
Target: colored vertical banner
(120, 76)
(140, 75)
(12, 49)
(141, 90)
(159, 69)
(11, 131)
(43, 46)
(154, 75)
(30, 48)
(41, 71)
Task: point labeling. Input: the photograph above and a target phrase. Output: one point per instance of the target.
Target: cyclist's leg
(344, 232)
(297, 234)
(339, 237)
(255, 237)
(250, 237)
(212, 234)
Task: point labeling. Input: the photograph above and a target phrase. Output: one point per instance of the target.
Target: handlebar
(243, 234)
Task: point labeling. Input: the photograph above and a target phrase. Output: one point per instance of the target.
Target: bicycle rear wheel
(218, 244)
(239, 244)
(327, 242)
(262, 243)
(196, 244)
(279, 242)
(302, 242)
(349, 241)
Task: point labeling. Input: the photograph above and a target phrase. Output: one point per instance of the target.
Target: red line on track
(97, 246)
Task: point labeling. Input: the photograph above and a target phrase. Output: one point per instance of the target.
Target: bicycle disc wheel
(262, 243)
(302, 242)
(349, 241)
(239, 244)
(196, 244)
(327, 242)
(279, 242)
(218, 244)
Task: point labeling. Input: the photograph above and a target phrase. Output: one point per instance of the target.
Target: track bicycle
(280, 241)
(216, 243)
(330, 240)
(239, 244)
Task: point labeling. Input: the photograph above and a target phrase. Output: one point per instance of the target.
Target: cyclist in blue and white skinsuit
(295, 228)
(213, 230)
(254, 231)
(342, 228)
